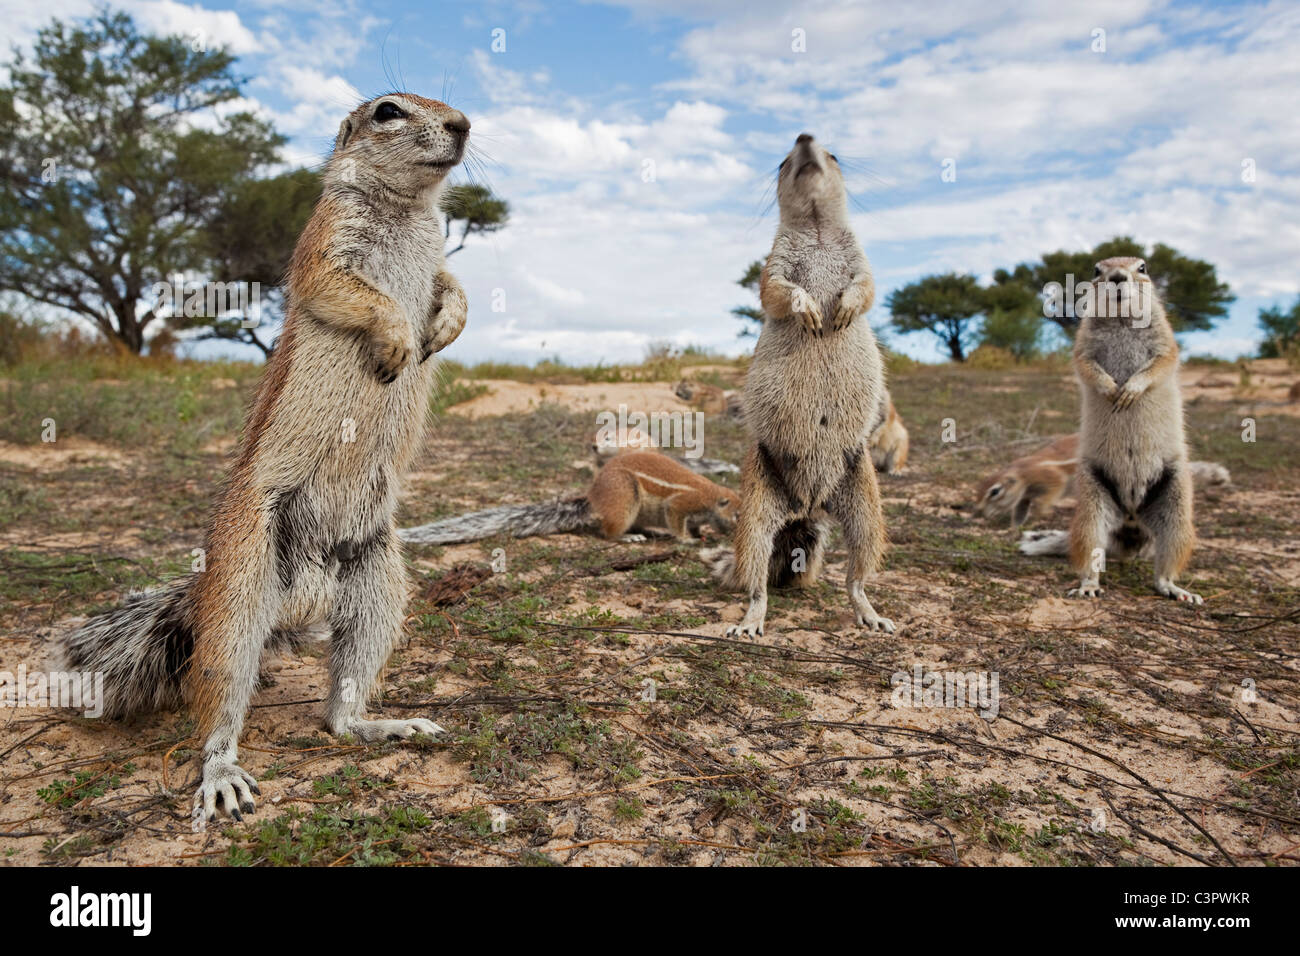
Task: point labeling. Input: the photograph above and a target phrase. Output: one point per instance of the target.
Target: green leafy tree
(1194, 297)
(1016, 332)
(751, 316)
(475, 209)
(1281, 331)
(1013, 320)
(946, 305)
(112, 165)
(251, 239)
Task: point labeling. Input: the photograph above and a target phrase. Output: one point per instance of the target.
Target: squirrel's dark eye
(388, 111)
(1096, 270)
(833, 159)
(1142, 267)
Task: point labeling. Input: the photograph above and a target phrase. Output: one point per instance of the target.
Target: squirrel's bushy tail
(802, 533)
(1051, 544)
(518, 521)
(141, 648)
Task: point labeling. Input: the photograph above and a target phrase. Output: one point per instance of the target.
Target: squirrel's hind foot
(226, 788)
(1171, 590)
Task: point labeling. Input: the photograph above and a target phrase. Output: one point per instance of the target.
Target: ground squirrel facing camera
(1133, 483)
(812, 398)
(302, 533)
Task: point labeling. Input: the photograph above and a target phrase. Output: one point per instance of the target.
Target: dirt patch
(1267, 381)
(599, 714)
(63, 453)
(505, 397)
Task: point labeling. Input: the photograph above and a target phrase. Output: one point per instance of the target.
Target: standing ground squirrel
(812, 397)
(302, 534)
(1133, 482)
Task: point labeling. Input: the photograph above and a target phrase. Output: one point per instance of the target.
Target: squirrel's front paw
(1130, 393)
(232, 785)
(850, 308)
(443, 330)
(388, 357)
(805, 308)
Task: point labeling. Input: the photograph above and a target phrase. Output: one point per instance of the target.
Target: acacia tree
(1013, 319)
(251, 239)
(1281, 331)
(476, 209)
(113, 163)
(945, 305)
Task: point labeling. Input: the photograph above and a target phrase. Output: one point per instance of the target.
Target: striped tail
(518, 521)
(142, 649)
(1052, 544)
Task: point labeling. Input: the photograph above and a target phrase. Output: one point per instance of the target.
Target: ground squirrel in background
(1034, 484)
(302, 534)
(889, 441)
(1133, 484)
(1030, 486)
(811, 400)
(635, 493)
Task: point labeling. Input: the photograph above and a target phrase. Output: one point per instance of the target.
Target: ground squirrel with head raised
(302, 534)
(812, 397)
(1133, 484)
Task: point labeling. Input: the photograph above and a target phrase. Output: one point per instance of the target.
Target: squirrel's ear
(345, 133)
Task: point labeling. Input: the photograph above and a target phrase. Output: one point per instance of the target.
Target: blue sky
(1056, 144)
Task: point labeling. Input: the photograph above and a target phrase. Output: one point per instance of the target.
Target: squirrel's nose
(456, 121)
(803, 138)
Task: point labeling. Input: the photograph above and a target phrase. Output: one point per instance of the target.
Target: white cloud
(22, 19)
(320, 100)
(1057, 147)
(196, 23)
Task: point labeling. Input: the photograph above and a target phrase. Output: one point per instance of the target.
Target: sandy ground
(504, 397)
(60, 454)
(1133, 731)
